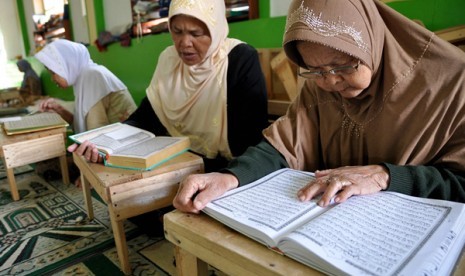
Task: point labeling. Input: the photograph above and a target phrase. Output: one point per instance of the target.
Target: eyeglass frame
(319, 74)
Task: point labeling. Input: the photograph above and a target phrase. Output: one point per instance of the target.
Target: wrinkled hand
(344, 182)
(88, 150)
(197, 190)
(49, 105)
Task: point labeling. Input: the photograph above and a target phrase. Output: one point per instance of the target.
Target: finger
(312, 189)
(72, 147)
(344, 194)
(94, 155)
(81, 148)
(206, 196)
(338, 188)
(334, 186)
(322, 173)
(88, 153)
(42, 106)
(184, 197)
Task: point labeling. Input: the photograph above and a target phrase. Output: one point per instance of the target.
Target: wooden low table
(22, 149)
(200, 240)
(129, 193)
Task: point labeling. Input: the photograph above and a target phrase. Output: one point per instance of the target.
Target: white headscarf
(91, 82)
(191, 100)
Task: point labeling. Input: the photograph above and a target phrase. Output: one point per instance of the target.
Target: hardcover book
(385, 233)
(32, 123)
(129, 147)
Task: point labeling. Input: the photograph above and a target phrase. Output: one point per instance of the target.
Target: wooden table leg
(87, 197)
(188, 264)
(120, 241)
(11, 180)
(64, 169)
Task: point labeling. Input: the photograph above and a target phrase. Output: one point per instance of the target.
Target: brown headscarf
(413, 112)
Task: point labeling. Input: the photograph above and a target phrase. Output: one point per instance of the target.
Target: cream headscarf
(413, 112)
(191, 100)
(91, 82)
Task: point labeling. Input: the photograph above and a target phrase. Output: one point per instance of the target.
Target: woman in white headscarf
(100, 97)
(206, 86)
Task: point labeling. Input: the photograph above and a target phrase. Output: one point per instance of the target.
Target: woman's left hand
(344, 182)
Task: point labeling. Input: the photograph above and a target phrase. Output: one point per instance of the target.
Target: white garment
(91, 82)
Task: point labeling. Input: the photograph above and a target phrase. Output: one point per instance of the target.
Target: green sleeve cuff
(401, 179)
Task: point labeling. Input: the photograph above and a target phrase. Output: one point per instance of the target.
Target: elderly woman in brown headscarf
(383, 109)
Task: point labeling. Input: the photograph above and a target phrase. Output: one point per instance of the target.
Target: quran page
(32, 123)
(266, 208)
(380, 234)
(112, 138)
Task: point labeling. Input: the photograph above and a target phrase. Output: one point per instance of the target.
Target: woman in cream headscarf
(206, 86)
(384, 110)
(100, 98)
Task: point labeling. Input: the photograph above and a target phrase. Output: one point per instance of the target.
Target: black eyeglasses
(339, 71)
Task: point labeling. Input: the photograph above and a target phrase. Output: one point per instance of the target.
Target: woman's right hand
(88, 150)
(49, 105)
(197, 190)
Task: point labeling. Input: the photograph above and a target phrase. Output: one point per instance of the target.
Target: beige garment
(412, 113)
(114, 107)
(191, 100)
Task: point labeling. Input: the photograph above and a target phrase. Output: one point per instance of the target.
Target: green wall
(135, 65)
(435, 14)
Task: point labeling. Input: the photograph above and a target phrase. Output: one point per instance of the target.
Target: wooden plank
(91, 176)
(264, 57)
(120, 242)
(281, 66)
(234, 253)
(188, 264)
(277, 107)
(109, 176)
(64, 168)
(10, 139)
(226, 249)
(12, 182)
(148, 194)
(31, 151)
(453, 35)
(86, 187)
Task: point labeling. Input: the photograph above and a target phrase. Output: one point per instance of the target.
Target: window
(150, 17)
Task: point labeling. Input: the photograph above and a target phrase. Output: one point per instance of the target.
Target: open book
(380, 234)
(32, 123)
(129, 147)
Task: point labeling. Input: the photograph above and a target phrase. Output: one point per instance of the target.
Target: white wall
(118, 15)
(79, 21)
(279, 7)
(10, 30)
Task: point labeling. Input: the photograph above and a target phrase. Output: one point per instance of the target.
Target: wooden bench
(200, 240)
(22, 149)
(129, 193)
